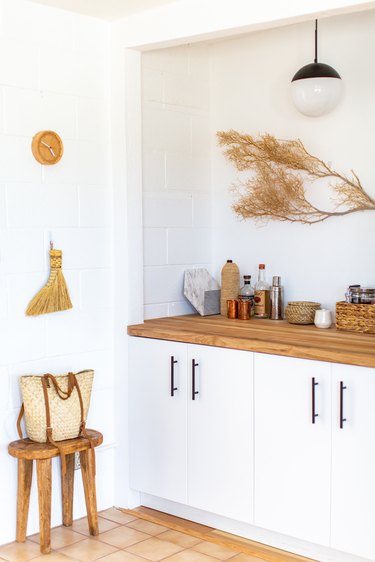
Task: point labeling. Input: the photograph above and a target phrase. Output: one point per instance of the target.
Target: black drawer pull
(342, 419)
(313, 413)
(173, 387)
(193, 391)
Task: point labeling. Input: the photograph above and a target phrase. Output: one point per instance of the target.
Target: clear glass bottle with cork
(261, 294)
(247, 292)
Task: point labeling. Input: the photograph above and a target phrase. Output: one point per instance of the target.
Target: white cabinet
(220, 432)
(353, 460)
(292, 454)
(195, 447)
(286, 444)
(158, 420)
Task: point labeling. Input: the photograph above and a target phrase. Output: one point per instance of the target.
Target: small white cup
(323, 318)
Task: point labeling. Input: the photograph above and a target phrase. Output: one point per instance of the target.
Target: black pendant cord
(316, 69)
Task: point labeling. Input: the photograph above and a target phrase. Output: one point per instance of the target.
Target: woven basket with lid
(355, 317)
(301, 312)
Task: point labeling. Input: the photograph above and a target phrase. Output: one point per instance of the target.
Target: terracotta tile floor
(123, 538)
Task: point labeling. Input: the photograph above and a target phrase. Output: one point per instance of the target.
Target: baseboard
(255, 541)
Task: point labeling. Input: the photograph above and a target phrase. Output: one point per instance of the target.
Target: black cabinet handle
(313, 413)
(193, 391)
(173, 387)
(342, 419)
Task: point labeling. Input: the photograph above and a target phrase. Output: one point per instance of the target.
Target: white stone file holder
(202, 291)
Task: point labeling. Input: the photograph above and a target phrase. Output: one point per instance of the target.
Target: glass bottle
(247, 292)
(262, 294)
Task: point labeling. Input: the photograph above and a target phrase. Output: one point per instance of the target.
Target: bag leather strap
(19, 419)
(63, 394)
(48, 422)
(83, 424)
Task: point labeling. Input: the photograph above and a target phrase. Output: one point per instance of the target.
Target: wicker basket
(355, 317)
(301, 312)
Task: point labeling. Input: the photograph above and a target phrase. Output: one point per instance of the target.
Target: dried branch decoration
(276, 190)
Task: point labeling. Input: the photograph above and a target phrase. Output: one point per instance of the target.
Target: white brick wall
(176, 174)
(63, 88)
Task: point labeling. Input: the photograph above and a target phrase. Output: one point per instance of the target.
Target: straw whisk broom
(54, 296)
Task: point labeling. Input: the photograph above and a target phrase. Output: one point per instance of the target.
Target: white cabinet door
(157, 421)
(353, 460)
(292, 454)
(220, 431)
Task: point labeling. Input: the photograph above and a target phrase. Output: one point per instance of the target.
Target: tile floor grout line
(200, 549)
(208, 536)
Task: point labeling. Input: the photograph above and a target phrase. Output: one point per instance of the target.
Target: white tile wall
(163, 284)
(186, 171)
(155, 246)
(202, 209)
(155, 311)
(95, 206)
(153, 170)
(51, 204)
(63, 89)
(189, 245)
(19, 63)
(166, 128)
(16, 164)
(167, 209)
(180, 307)
(176, 173)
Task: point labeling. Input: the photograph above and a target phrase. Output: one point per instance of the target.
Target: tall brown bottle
(230, 284)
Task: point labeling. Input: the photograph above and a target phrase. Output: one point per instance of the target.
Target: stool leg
(88, 477)
(67, 486)
(43, 471)
(25, 472)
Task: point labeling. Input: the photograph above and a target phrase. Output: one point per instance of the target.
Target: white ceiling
(105, 9)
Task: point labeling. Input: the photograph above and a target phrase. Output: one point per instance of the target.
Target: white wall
(54, 75)
(250, 93)
(176, 174)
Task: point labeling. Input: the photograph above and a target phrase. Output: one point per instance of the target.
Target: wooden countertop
(265, 336)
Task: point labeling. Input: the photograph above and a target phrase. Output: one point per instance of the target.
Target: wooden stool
(26, 451)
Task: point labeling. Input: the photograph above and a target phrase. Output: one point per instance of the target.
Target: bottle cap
(247, 276)
(229, 261)
(262, 266)
(276, 281)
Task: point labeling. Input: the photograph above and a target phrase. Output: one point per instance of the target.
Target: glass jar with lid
(362, 295)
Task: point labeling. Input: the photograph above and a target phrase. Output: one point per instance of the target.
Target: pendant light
(316, 87)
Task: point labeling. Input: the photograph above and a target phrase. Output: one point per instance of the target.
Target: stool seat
(30, 450)
(26, 451)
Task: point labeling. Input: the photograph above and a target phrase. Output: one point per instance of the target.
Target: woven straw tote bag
(55, 407)
(65, 410)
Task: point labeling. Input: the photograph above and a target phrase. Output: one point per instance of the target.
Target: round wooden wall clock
(47, 147)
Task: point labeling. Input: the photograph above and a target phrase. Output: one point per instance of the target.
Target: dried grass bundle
(54, 296)
(280, 170)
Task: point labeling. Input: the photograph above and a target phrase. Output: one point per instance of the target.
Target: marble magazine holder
(202, 291)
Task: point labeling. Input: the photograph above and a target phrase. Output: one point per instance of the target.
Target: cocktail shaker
(276, 299)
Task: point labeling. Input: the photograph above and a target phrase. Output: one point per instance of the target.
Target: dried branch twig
(276, 190)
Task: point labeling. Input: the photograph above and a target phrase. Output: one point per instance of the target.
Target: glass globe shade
(317, 95)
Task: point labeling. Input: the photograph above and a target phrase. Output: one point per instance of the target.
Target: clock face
(47, 147)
